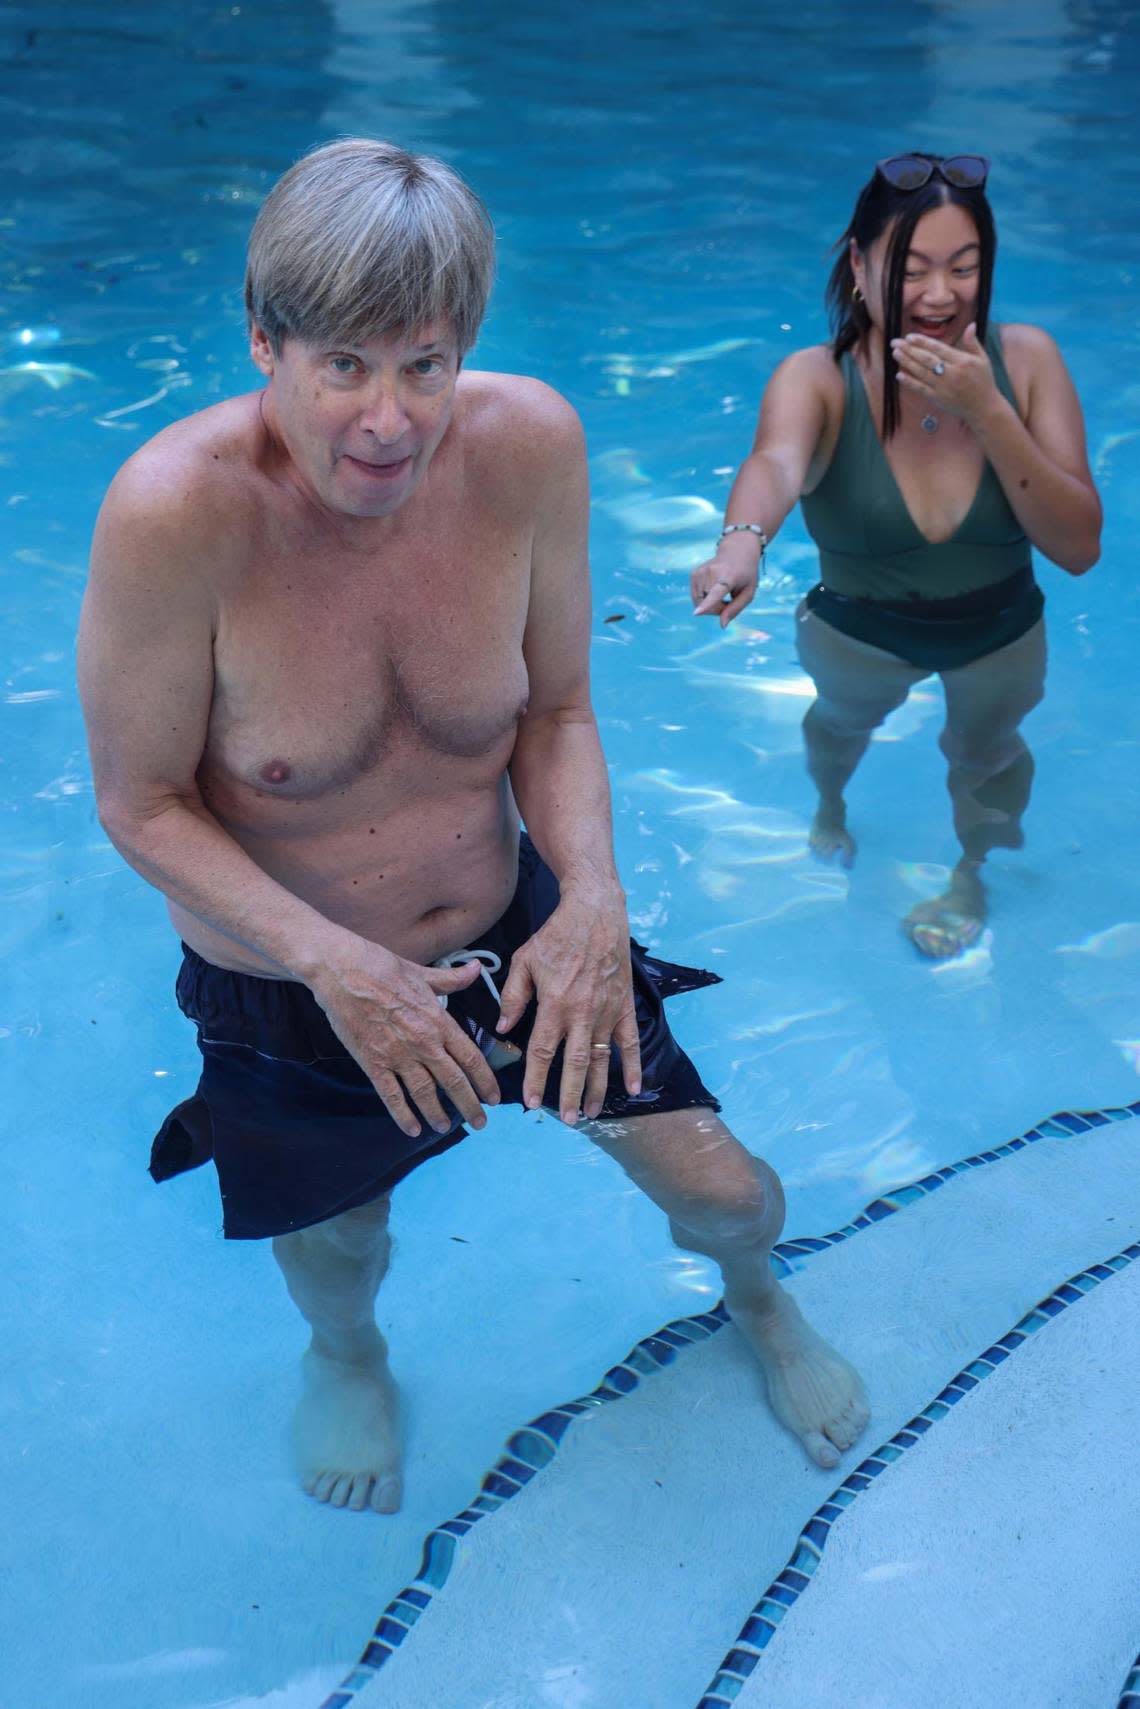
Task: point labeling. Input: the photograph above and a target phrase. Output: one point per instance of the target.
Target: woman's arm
(1041, 462)
(793, 419)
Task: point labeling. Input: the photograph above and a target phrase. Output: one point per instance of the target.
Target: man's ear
(261, 350)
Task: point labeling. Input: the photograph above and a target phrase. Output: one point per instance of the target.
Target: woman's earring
(856, 294)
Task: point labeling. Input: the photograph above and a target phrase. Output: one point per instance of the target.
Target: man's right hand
(386, 1012)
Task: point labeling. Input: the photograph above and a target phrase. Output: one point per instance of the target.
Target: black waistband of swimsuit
(980, 602)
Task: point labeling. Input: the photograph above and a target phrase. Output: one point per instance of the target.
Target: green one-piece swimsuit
(936, 606)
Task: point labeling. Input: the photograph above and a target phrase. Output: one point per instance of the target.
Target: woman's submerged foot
(950, 923)
(812, 1389)
(346, 1431)
(829, 839)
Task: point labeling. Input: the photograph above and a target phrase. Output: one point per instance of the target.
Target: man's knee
(355, 1234)
(738, 1208)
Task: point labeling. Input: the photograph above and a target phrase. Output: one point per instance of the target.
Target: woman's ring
(604, 1047)
(940, 369)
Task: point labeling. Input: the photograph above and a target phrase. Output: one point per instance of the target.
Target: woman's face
(940, 292)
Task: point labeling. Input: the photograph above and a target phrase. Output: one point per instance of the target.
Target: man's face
(361, 422)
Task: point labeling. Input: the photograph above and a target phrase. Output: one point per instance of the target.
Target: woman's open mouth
(933, 326)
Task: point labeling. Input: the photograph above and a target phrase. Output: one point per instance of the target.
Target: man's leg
(347, 1428)
(990, 778)
(856, 686)
(728, 1205)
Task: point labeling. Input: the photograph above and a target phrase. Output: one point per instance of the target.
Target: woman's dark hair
(880, 205)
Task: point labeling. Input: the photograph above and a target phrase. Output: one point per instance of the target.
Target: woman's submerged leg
(346, 1432)
(990, 778)
(728, 1205)
(857, 686)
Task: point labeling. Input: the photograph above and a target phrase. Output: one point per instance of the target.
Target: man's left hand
(577, 967)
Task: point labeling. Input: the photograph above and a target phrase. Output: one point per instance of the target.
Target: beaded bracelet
(745, 528)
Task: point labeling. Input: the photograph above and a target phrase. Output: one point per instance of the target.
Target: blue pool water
(666, 185)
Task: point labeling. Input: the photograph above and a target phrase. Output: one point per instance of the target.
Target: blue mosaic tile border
(1059, 1126)
(785, 1590)
(528, 1450)
(1130, 1696)
(536, 1444)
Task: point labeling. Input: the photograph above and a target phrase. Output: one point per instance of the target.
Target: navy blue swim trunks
(295, 1127)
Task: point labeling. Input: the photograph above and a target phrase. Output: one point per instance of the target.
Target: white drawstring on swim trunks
(488, 961)
(499, 1052)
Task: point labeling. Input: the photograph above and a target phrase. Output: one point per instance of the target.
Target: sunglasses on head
(912, 171)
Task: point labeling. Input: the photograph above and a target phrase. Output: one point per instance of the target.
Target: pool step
(998, 1561)
(621, 1573)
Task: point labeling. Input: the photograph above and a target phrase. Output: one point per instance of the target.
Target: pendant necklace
(931, 423)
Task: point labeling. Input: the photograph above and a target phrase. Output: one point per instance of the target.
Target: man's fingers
(575, 1067)
(629, 1044)
(597, 1076)
(518, 989)
(391, 1096)
(467, 1059)
(444, 980)
(424, 1093)
(540, 1053)
(451, 1079)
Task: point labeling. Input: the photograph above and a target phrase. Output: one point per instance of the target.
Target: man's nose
(384, 416)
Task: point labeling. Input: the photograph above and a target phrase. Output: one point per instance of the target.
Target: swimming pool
(665, 188)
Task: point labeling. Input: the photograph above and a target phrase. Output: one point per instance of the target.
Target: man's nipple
(276, 771)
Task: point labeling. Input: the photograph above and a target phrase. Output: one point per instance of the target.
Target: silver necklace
(931, 423)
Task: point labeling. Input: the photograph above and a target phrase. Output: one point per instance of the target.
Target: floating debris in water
(615, 617)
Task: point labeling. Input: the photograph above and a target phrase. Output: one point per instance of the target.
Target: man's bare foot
(950, 923)
(812, 1390)
(346, 1431)
(829, 839)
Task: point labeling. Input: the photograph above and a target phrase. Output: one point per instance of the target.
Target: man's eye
(344, 365)
(426, 365)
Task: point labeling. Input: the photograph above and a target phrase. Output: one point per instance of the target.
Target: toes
(848, 1427)
(324, 1486)
(340, 1492)
(823, 1452)
(358, 1497)
(386, 1493)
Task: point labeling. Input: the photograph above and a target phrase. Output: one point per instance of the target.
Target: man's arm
(578, 963)
(146, 682)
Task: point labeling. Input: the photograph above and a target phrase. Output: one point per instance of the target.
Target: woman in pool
(930, 449)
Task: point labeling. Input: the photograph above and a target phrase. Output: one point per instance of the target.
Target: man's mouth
(380, 471)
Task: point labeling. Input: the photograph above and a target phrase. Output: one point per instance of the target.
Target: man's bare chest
(323, 678)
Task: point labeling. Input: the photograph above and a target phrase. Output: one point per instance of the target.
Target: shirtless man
(335, 630)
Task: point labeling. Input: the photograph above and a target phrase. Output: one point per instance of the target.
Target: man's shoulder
(199, 468)
(529, 415)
